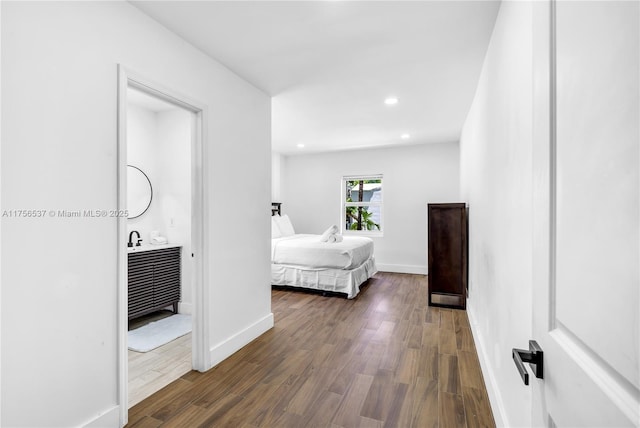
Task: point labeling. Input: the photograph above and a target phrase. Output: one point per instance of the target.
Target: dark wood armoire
(447, 249)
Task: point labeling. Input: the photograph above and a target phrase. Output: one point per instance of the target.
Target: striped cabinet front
(153, 280)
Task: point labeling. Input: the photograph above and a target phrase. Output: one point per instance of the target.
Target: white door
(586, 224)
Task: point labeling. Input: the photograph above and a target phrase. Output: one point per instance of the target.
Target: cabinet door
(140, 285)
(166, 277)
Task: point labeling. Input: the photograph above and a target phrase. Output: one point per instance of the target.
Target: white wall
(413, 176)
(159, 143)
(1, 205)
(174, 191)
(277, 165)
(143, 152)
(496, 174)
(59, 151)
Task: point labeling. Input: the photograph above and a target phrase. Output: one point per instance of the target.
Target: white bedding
(334, 280)
(309, 251)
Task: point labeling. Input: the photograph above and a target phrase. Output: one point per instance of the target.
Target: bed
(303, 261)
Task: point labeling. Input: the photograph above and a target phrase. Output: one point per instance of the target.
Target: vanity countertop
(149, 247)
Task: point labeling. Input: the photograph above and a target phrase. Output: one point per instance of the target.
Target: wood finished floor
(384, 359)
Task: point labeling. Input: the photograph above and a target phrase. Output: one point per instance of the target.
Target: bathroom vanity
(154, 277)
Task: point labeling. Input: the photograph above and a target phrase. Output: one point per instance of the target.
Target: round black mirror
(139, 192)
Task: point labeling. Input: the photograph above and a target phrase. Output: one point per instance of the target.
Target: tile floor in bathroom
(151, 371)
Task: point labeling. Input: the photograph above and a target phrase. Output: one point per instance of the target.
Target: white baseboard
(185, 308)
(225, 349)
(420, 270)
(495, 398)
(109, 419)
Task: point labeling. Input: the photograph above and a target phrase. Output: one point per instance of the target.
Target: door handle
(533, 356)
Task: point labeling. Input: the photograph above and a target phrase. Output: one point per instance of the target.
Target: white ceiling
(329, 65)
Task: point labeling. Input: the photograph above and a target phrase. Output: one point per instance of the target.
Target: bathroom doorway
(160, 296)
(160, 245)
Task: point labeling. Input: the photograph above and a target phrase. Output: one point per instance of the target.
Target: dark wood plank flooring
(384, 359)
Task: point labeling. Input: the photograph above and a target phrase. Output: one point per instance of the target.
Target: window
(362, 204)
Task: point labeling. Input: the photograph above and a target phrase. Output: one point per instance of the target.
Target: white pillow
(275, 230)
(286, 228)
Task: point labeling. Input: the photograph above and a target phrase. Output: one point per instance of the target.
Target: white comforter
(307, 250)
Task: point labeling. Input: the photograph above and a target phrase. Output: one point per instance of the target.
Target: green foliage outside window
(358, 217)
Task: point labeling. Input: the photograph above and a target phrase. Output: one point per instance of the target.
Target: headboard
(275, 208)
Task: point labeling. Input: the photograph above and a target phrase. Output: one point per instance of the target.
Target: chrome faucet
(130, 244)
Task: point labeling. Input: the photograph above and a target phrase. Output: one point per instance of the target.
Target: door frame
(199, 213)
(543, 182)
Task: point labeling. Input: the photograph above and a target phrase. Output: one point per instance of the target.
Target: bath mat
(158, 333)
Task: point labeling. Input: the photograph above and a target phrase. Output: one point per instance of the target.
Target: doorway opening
(162, 315)
(160, 295)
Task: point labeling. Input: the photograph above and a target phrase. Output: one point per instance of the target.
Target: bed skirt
(334, 280)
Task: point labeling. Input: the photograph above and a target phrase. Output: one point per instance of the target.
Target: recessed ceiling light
(405, 136)
(300, 146)
(391, 101)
